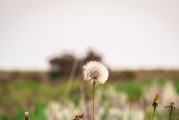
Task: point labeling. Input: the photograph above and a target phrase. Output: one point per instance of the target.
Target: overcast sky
(128, 33)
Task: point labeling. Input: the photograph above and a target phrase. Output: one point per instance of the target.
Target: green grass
(28, 95)
(133, 89)
(176, 84)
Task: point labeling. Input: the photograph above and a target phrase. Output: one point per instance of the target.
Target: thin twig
(172, 109)
(70, 79)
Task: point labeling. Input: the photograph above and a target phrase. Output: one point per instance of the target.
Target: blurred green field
(28, 95)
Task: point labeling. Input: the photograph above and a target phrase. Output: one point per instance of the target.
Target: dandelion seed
(94, 71)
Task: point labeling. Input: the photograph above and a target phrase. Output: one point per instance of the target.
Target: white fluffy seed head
(94, 71)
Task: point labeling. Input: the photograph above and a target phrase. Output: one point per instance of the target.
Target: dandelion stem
(171, 109)
(153, 113)
(94, 83)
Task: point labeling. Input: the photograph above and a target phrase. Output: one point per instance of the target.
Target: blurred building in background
(62, 65)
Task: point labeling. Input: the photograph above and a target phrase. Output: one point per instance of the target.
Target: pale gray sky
(128, 33)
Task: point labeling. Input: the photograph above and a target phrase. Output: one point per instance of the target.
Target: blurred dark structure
(61, 65)
(91, 55)
(64, 65)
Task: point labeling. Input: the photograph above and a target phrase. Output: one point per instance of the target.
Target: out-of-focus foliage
(113, 98)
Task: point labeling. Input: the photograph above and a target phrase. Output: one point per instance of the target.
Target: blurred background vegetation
(33, 91)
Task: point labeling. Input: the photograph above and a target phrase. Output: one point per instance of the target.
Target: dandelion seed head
(94, 71)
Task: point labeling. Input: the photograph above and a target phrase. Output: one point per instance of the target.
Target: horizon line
(119, 68)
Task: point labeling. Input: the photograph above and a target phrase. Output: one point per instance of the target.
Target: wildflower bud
(156, 101)
(26, 115)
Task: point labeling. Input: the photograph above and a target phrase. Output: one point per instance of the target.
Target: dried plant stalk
(94, 83)
(155, 104)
